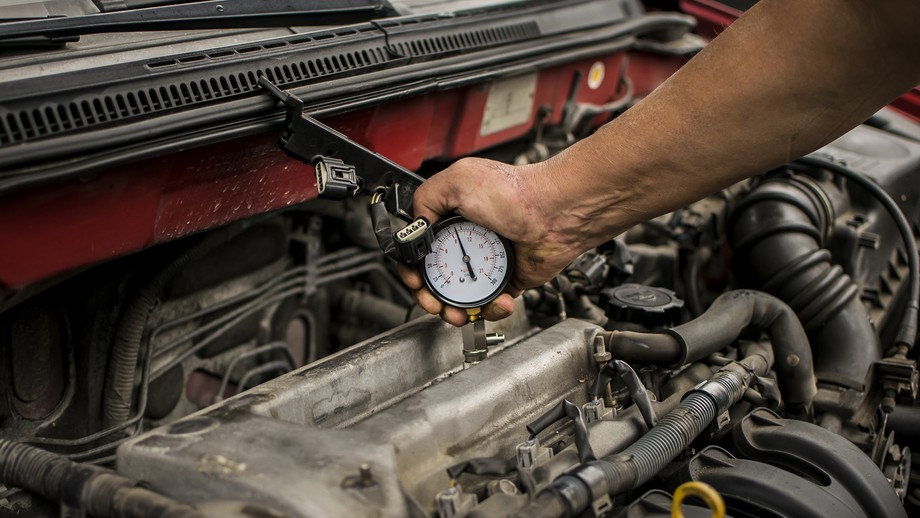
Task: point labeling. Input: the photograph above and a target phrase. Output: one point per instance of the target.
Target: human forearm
(785, 79)
(788, 77)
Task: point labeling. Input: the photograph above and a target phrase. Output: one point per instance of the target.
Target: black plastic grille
(467, 40)
(54, 118)
(47, 117)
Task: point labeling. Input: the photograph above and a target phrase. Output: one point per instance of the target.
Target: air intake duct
(778, 233)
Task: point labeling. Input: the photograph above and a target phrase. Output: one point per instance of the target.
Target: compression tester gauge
(469, 265)
(463, 264)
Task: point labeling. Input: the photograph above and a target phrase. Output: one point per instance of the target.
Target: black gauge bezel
(499, 288)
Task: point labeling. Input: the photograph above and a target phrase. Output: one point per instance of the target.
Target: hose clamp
(596, 481)
(725, 389)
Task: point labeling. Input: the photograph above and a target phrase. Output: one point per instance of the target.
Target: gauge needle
(466, 258)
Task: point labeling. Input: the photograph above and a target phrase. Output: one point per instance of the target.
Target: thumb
(443, 193)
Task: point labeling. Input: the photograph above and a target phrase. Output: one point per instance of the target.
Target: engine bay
(400, 425)
(752, 350)
(801, 324)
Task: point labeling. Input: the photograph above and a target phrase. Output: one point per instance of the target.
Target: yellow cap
(708, 493)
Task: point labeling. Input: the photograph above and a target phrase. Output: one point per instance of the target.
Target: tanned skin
(785, 79)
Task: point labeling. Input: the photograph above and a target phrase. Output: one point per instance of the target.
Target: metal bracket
(637, 390)
(340, 160)
(898, 375)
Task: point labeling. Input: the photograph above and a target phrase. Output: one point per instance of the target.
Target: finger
(411, 277)
(429, 200)
(513, 291)
(427, 301)
(500, 308)
(439, 194)
(454, 316)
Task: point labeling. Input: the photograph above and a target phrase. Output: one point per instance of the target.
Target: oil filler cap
(645, 306)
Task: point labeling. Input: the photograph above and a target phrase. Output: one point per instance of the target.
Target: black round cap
(643, 305)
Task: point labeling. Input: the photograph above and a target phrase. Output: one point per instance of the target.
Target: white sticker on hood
(509, 104)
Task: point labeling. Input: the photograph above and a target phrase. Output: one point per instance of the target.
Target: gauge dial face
(469, 265)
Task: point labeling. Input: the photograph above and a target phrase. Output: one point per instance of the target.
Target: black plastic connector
(335, 180)
(413, 242)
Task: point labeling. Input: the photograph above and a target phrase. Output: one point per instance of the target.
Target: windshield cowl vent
(466, 40)
(195, 79)
(91, 110)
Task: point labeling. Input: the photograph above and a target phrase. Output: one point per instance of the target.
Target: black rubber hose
(654, 450)
(616, 434)
(489, 466)
(778, 233)
(907, 333)
(733, 312)
(644, 348)
(728, 316)
(118, 395)
(380, 219)
(95, 490)
(695, 263)
(372, 308)
(547, 504)
(904, 421)
(574, 492)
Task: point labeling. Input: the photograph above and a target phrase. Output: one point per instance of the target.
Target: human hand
(504, 198)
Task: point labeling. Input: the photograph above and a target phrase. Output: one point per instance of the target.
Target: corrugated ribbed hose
(95, 490)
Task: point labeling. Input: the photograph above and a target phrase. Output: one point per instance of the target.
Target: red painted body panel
(49, 230)
(909, 104)
(712, 16)
(54, 229)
